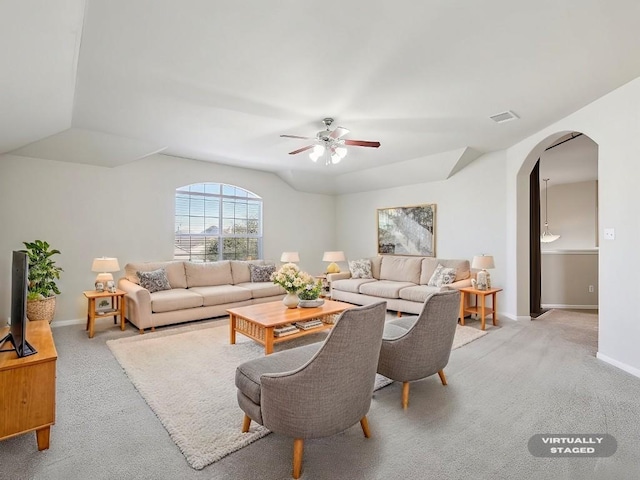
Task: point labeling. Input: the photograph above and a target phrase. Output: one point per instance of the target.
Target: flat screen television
(19, 283)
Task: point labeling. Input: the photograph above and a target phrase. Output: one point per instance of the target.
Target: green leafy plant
(43, 271)
(311, 289)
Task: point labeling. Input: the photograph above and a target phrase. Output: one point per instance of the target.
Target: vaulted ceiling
(107, 82)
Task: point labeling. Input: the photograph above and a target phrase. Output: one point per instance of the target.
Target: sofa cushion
(208, 273)
(360, 268)
(463, 268)
(429, 265)
(401, 269)
(240, 270)
(221, 294)
(262, 289)
(384, 288)
(175, 272)
(376, 262)
(154, 281)
(418, 293)
(442, 276)
(351, 284)
(261, 273)
(174, 299)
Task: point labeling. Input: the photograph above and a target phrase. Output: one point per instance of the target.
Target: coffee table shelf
(259, 321)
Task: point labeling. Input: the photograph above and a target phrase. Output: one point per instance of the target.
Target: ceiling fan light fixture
(316, 153)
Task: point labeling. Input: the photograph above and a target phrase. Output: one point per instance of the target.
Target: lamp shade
(105, 264)
(483, 262)
(333, 257)
(290, 257)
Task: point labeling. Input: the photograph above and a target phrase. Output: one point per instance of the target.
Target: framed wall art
(407, 230)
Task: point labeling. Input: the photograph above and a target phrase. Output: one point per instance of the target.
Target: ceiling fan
(331, 142)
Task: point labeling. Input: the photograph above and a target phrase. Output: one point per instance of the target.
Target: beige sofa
(198, 291)
(400, 280)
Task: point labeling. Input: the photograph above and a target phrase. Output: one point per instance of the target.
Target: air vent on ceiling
(504, 117)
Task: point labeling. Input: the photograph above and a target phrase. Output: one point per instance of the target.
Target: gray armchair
(417, 347)
(317, 390)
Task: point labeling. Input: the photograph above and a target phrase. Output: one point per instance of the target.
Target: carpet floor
(186, 376)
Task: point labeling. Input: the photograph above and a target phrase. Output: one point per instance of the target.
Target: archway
(569, 253)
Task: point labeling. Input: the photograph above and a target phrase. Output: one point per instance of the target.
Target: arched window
(215, 221)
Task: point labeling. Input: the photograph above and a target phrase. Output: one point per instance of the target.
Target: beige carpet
(186, 375)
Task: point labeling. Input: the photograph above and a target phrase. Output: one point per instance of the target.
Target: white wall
(127, 212)
(572, 215)
(470, 214)
(613, 123)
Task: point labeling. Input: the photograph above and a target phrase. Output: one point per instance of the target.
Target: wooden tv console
(28, 386)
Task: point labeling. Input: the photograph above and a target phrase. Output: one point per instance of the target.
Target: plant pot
(311, 303)
(291, 300)
(43, 309)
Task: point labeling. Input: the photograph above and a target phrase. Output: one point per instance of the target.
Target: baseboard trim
(622, 366)
(574, 307)
(66, 323)
(515, 317)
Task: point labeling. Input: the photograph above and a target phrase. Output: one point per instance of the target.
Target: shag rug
(187, 376)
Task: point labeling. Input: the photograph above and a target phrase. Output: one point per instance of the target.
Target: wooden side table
(326, 286)
(483, 310)
(117, 308)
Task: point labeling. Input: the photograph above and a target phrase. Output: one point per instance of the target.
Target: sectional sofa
(195, 291)
(402, 281)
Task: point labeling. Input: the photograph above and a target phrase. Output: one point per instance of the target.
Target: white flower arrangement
(293, 280)
(289, 277)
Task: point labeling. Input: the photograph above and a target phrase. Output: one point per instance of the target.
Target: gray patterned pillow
(261, 273)
(360, 268)
(442, 276)
(154, 281)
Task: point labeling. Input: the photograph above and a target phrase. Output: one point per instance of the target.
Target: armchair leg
(298, 449)
(405, 394)
(246, 421)
(364, 423)
(443, 378)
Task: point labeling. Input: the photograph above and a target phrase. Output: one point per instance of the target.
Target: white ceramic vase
(291, 300)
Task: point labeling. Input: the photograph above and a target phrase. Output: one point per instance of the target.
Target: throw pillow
(442, 276)
(261, 273)
(360, 268)
(154, 281)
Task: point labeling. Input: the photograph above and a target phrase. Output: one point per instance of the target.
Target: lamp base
(333, 268)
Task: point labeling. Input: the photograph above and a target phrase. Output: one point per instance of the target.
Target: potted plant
(43, 273)
(310, 291)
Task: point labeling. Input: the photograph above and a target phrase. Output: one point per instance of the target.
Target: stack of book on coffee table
(284, 330)
(309, 324)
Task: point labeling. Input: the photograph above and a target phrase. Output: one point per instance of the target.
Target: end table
(483, 310)
(118, 302)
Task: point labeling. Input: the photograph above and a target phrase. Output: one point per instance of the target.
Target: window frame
(225, 196)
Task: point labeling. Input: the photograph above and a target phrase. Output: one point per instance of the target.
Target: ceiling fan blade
(338, 132)
(362, 143)
(300, 150)
(296, 136)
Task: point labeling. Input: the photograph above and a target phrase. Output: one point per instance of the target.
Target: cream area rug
(187, 376)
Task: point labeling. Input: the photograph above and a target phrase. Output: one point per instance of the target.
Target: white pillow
(360, 268)
(442, 276)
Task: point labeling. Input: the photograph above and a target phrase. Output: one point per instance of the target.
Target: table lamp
(333, 257)
(290, 257)
(482, 263)
(105, 265)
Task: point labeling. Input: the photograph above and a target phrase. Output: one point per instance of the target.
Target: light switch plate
(609, 234)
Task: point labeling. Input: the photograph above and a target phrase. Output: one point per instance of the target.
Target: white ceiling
(220, 81)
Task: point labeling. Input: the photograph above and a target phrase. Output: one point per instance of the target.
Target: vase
(291, 300)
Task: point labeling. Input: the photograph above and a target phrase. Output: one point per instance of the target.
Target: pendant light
(547, 236)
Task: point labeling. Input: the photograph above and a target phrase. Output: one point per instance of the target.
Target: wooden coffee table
(258, 321)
